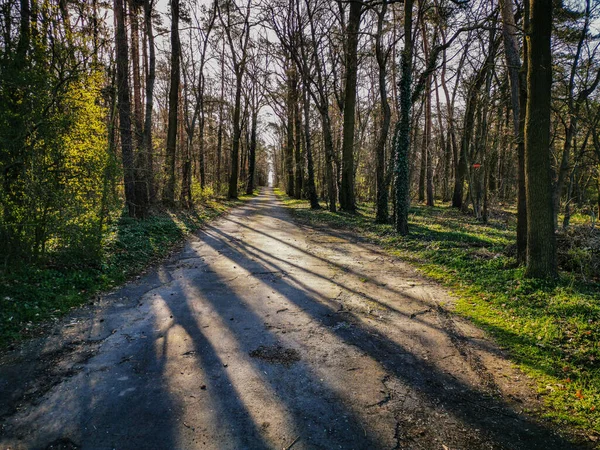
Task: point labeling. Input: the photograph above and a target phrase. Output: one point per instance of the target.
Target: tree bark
(289, 147)
(141, 185)
(381, 181)
(169, 194)
(311, 190)
(237, 133)
(298, 157)
(124, 105)
(220, 126)
(518, 94)
(428, 152)
(347, 197)
(150, 78)
(403, 136)
(541, 243)
(252, 154)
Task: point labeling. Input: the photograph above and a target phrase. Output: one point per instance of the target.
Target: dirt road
(263, 333)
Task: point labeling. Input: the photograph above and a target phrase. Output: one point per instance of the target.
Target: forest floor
(269, 332)
(34, 294)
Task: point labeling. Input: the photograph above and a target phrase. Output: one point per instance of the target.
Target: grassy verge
(552, 331)
(35, 294)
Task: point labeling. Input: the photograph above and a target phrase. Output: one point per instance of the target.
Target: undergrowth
(551, 330)
(35, 293)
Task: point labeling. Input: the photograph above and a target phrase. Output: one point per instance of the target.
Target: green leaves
(34, 293)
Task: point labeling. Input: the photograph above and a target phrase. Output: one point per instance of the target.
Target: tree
(236, 32)
(124, 102)
(140, 161)
(518, 97)
(347, 200)
(169, 193)
(381, 180)
(150, 79)
(541, 242)
(402, 138)
(292, 99)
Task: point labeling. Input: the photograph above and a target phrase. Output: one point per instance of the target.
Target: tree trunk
(427, 140)
(124, 104)
(422, 166)
(382, 183)
(135, 69)
(311, 190)
(298, 157)
(220, 126)
(252, 154)
(403, 137)
(289, 148)
(150, 78)
(518, 97)
(169, 193)
(329, 174)
(201, 149)
(541, 244)
(141, 185)
(237, 132)
(347, 197)
(444, 145)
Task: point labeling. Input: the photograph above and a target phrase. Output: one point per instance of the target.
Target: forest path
(264, 333)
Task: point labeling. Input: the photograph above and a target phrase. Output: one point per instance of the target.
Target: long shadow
(107, 388)
(311, 255)
(478, 409)
(229, 409)
(319, 415)
(128, 404)
(255, 252)
(419, 232)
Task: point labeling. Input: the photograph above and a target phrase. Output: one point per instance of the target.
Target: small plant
(200, 195)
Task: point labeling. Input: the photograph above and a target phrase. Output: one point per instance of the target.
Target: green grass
(35, 294)
(551, 330)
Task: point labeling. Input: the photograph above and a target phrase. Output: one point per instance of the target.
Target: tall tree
(240, 33)
(541, 241)
(200, 93)
(518, 97)
(169, 193)
(347, 197)
(402, 138)
(124, 105)
(150, 79)
(381, 180)
(311, 190)
(292, 99)
(140, 162)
